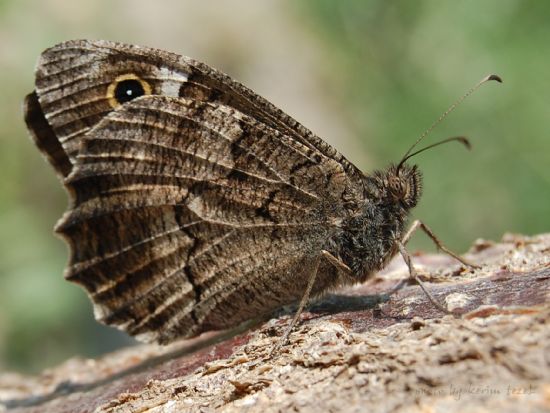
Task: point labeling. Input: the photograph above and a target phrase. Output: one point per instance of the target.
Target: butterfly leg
(338, 264)
(301, 306)
(417, 224)
(414, 275)
(305, 298)
(412, 271)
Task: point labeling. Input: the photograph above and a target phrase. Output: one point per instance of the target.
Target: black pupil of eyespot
(127, 90)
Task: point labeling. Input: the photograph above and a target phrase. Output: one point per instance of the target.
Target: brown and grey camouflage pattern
(199, 205)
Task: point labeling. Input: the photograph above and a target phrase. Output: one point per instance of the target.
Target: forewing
(72, 89)
(72, 80)
(191, 215)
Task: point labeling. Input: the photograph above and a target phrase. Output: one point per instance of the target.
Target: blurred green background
(368, 76)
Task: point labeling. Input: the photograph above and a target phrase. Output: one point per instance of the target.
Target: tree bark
(353, 351)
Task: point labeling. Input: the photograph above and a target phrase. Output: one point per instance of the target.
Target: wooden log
(353, 351)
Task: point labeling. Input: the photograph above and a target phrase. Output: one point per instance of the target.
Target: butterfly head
(405, 185)
(401, 186)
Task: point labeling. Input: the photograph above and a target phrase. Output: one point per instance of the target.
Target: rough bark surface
(352, 352)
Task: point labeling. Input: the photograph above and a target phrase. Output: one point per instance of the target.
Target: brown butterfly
(197, 204)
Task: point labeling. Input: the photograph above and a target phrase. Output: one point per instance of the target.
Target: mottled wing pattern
(190, 216)
(194, 208)
(72, 77)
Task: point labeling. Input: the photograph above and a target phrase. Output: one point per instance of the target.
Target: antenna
(443, 116)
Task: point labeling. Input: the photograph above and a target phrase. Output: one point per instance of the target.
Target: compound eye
(126, 88)
(396, 187)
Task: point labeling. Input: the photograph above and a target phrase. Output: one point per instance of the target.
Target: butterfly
(195, 203)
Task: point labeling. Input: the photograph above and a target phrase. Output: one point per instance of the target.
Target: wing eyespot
(126, 88)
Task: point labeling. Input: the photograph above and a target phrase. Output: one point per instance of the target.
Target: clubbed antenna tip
(463, 140)
(494, 77)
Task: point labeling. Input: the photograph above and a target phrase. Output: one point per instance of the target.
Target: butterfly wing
(189, 216)
(44, 136)
(195, 207)
(72, 90)
(73, 78)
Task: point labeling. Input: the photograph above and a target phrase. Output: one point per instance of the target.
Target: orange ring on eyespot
(111, 95)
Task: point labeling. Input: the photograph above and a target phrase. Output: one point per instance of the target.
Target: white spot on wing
(171, 81)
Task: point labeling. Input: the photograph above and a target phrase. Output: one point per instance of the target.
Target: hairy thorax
(368, 238)
(368, 241)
